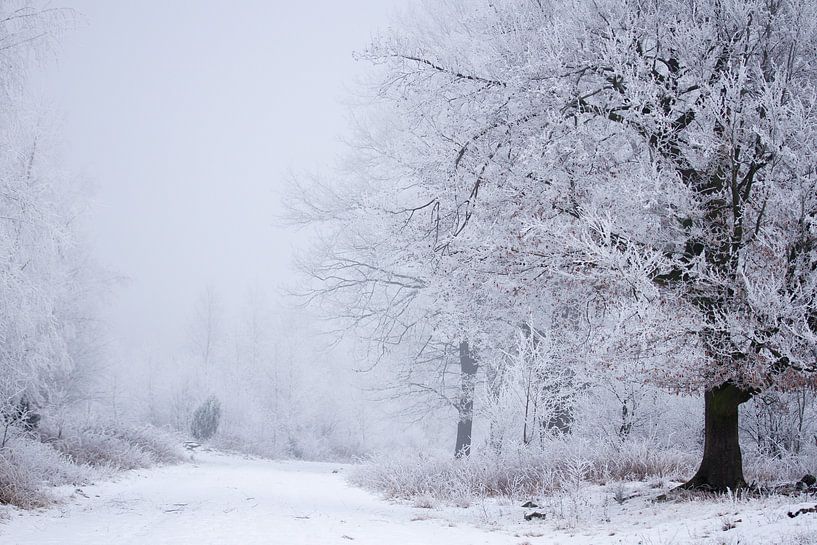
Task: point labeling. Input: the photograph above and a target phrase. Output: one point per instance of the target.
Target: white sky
(187, 116)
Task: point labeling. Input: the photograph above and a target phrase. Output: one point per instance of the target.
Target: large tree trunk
(465, 405)
(722, 464)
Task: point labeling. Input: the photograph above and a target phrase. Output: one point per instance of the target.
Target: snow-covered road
(230, 500)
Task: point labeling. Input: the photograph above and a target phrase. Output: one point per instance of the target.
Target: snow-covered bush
(50, 466)
(31, 462)
(118, 447)
(26, 465)
(523, 472)
(161, 446)
(19, 485)
(100, 449)
(763, 469)
(206, 419)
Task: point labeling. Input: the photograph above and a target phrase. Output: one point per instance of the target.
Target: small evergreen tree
(206, 419)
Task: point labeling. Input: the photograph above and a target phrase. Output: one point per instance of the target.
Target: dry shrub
(19, 486)
(522, 473)
(28, 466)
(31, 463)
(764, 469)
(50, 466)
(118, 447)
(161, 446)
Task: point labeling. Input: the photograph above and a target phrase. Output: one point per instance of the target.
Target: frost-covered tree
(646, 168)
(375, 273)
(651, 159)
(206, 419)
(46, 279)
(206, 328)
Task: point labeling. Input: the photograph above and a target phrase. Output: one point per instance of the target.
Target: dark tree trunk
(722, 464)
(465, 405)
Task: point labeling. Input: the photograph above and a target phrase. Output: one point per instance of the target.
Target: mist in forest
(187, 121)
(184, 126)
(481, 251)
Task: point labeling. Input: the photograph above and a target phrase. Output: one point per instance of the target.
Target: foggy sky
(187, 117)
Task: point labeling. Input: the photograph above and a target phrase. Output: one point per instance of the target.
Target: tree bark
(722, 465)
(465, 405)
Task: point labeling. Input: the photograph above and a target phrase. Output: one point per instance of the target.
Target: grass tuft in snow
(562, 464)
(118, 447)
(28, 467)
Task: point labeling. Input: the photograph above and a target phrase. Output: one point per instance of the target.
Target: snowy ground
(225, 500)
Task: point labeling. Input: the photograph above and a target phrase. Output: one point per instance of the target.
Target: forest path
(224, 500)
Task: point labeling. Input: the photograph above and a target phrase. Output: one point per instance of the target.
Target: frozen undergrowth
(116, 447)
(522, 473)
(572, 482)
(31, 464)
